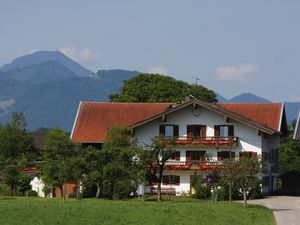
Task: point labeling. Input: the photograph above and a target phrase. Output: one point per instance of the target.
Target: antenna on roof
(196, 79)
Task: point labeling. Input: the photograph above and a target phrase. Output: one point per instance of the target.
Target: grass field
(91, 211)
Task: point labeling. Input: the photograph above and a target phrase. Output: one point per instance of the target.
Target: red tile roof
(94, 118)
(266, 114)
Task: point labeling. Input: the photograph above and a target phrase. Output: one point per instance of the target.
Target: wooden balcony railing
(218, 142)
(193, 164)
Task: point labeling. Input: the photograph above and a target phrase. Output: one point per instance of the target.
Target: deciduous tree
(160, 88)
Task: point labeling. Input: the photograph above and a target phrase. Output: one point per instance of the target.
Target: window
(225, 155)
(176, 156)
(195, 155)
(196, 130)
(171, 179)
(169, 130)
(248, 154)
(224, 131)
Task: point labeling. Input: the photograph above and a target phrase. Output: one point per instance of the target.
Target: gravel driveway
(285, 208)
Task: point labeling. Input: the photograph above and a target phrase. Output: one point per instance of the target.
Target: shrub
(255, 193)
(31, 193)
(72, 195)
(47, 190)
(4, 190)
(24, 184)
(203, 191)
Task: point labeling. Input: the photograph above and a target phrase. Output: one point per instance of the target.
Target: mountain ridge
(39, 57)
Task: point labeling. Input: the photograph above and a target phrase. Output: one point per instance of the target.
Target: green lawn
(91, 211)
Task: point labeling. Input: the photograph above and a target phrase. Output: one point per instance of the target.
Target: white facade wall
(249, 140)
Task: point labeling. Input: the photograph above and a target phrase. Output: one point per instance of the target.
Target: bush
(31, 193)
(203, 191)
(72, 195)
(255, 193)
(24, 184)
(4, 190)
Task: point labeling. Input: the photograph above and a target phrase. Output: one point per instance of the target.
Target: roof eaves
(210, 106)
(76, 118)
(281, 115)
(296, 127)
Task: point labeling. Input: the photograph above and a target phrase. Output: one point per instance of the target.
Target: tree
(155, 159)
(289, 155)
(114, 168)
(243, 173)
(57, 165)
(159, 88)
(119, 173)
(94, 168)
(16, 148)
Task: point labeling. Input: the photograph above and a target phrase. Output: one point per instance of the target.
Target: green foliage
(114, 168)
(16, 148)
(31, 193)
(203, 190)
(4, 190)
(24, 184)
(159, 88)
(289, 155)
(47, 190)
(154, 159)
(59, 150)
(243, 174)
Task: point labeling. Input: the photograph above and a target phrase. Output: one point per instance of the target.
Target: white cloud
(83, 55)
(242, 72)
(158, 70)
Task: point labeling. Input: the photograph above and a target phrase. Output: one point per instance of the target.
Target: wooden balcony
(193, 165)
(216, 142)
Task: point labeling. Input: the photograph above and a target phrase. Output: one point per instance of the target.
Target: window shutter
(189, 131)
(176, 131)
(188, 156)
(254, 155)
(177, 155)
(162, 130)
(177, 180)
(230, 131)
(203, 131)
(217, 131)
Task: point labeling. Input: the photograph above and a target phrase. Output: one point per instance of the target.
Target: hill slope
(44, 56)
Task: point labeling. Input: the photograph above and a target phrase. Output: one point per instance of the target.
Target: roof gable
(266, 114)
(94, 118)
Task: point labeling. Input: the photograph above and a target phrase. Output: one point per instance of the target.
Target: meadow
(176, 211)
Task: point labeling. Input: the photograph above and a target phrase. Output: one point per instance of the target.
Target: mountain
(54, 102)
(44, 56)
(248, 98)
(292, 110)
(39, 73)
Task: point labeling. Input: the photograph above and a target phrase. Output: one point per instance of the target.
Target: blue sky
(232, 46)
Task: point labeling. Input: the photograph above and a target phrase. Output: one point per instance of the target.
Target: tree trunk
(78, 190)
(230, 192)
(64, 191)
(159, 180)
(61, 187)
(245, 197)
(99, 189)
(13, 189)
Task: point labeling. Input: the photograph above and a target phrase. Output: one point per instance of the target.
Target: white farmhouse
(199, 128)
